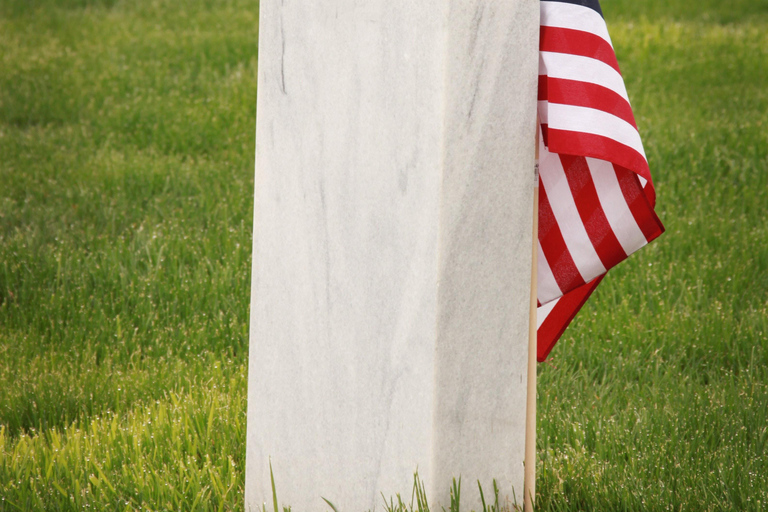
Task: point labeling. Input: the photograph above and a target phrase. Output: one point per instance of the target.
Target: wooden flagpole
(530, 412)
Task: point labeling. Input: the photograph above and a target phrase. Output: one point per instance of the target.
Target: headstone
(392, 250)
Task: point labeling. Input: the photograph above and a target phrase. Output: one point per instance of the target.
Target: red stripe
(596, 146)
(585, 94)
(543, 87)
(577, 42)
(650, 193)
(553, 246)
(641, 208)
(561, 315)
(607, 246)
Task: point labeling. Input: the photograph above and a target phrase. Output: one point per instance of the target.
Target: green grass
(126, 189)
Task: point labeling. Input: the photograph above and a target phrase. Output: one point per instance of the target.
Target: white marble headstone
(392, 249)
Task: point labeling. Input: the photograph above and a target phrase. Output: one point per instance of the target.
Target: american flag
(596, 197)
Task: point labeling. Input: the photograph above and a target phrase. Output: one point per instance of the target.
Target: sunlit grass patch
(174, 453)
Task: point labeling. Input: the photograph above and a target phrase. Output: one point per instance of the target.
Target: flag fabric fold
(596, 196)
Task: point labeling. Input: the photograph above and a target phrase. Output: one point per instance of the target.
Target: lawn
(126, 200)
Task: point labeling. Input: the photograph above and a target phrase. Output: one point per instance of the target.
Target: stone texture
(391, 260)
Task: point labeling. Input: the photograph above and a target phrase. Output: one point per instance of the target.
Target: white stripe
(543, 111)
(595, 122)
(577, 17)
(543, 312)
(615, 207)
(582, 69)
(567, 217)
(546, 284)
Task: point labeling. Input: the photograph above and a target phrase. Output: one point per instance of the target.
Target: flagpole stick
(529, 492)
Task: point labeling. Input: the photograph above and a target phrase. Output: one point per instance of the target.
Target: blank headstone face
(392, 250)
